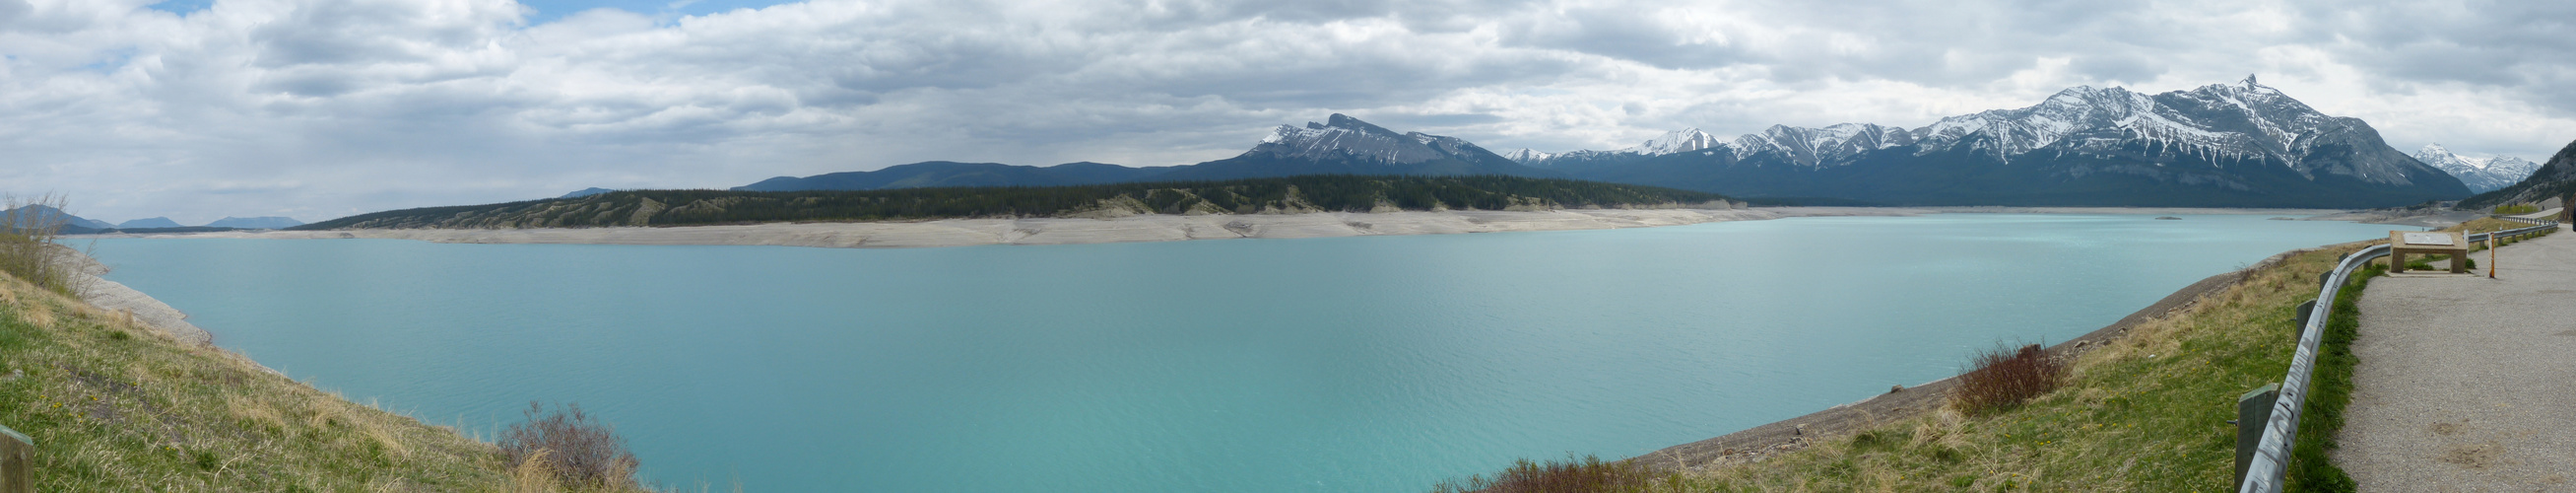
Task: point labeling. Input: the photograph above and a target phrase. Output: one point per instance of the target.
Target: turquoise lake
(1333, 364)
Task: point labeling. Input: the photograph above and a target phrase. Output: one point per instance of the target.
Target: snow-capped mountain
(2239, 144)
(1345, 145)
(2481, 175)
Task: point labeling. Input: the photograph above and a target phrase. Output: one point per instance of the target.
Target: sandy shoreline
(1065, 231)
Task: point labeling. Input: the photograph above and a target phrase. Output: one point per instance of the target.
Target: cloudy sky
(314, 109)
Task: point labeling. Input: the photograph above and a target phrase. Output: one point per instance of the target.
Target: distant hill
(262, 222)
(155, 222)
(1314, 193)
(585, 192)
(39, 215)
(934, 174)
(2556, 178)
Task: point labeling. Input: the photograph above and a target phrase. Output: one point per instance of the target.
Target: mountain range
(2480, 175)
(2224, 145)
(2231, 145)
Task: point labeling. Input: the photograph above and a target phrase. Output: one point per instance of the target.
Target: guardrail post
(17, 462)
(2253, 410)
(2299, 319)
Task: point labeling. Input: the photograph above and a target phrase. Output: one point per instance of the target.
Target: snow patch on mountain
(1527, 156)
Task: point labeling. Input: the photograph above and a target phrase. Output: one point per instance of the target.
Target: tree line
(1314, 193)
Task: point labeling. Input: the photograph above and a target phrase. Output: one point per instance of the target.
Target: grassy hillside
(1253, 196)
(114, 406)
(2148, 412)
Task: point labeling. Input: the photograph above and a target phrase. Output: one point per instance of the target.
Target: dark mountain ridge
(1340, 146)
(1278, 195)
(2556, 178)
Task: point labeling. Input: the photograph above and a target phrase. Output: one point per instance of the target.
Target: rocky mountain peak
(1341, 136)
(1677, 141)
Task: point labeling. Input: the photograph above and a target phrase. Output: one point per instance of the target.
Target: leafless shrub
(2003, 378)
(1575, 475)
(570, 445)
(28, 227)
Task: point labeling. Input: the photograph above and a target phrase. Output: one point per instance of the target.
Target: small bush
(2003, 378)
(1585, 474)
(570, 446)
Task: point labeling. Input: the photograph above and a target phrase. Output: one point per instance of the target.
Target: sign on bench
(2429, 239)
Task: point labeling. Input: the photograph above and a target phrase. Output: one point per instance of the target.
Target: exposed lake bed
(1290, 365)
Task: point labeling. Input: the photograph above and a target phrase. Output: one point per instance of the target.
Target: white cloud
(321, 108)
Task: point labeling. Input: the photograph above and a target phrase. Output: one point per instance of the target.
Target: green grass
(2147, 412)
(2517, 209)
(2329, 391)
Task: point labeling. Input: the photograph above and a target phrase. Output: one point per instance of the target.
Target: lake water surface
(1333, 364)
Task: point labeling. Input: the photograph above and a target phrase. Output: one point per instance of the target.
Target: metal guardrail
(2270, 467)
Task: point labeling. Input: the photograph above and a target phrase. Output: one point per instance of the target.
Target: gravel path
(2468, 384)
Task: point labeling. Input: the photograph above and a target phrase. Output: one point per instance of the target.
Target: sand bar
(1152, 227)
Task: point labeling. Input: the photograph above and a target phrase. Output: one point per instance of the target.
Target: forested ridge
(1297, 194)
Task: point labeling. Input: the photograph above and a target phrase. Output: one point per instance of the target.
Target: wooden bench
(2451, 243)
